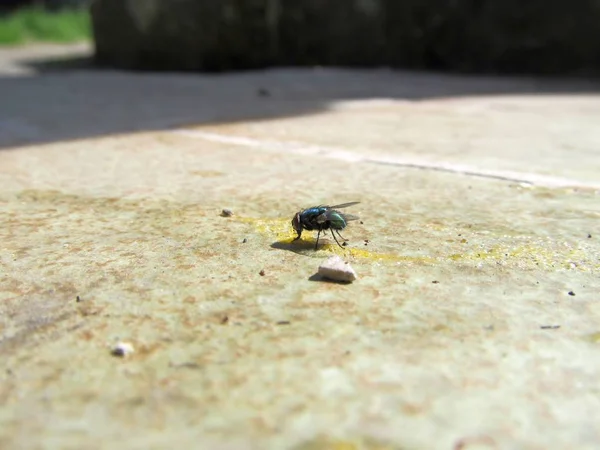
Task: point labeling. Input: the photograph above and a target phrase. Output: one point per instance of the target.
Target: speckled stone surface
(474, 322)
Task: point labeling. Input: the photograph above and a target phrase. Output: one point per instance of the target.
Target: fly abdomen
(337, 220)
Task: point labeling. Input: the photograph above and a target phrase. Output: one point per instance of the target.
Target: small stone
(262, 273)
(244, 241)
(572, 294)
(122, 349)
(334, 268)
(226, 213)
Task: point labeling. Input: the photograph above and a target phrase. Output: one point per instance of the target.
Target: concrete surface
(475, 319)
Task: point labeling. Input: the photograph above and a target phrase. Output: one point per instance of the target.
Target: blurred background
(471, 36)
(61, 21)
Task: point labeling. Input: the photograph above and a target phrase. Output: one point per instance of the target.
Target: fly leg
(341, 237)
(317, 243)
(338, 242)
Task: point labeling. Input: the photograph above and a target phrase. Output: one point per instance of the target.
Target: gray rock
(482, 36)
(235, 34)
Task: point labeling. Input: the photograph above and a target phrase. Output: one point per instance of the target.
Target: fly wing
(349, 217)
(337, 219)
(343, 205)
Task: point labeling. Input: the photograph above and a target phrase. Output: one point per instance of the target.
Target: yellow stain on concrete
(532, 255)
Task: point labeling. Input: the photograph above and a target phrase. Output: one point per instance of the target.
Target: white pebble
(336, 269)
(122, 349)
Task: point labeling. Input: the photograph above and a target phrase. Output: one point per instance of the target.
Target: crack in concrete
(299, 148)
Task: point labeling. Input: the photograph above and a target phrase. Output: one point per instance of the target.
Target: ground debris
(226, 213)
(335, 268)
(263, 92)
(122, 349)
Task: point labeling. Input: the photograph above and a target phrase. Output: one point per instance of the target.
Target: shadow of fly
(323, 218)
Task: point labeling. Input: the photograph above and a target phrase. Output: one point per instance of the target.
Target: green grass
(37, 25)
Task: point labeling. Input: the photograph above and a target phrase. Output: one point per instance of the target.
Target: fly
(323, 218)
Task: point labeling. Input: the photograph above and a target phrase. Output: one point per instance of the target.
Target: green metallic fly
(323, 218)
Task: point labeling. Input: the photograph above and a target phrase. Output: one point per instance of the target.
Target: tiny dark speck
(262, 273)
(435, 281)
(283, 322)
(226, 213)
(263, 92)
(244, 241)
(550, 327)
(78, 298)
(361, 222)
(344, 243)
(589, 236)
(572, 294)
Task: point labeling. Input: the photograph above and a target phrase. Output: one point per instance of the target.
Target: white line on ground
(340, 154)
